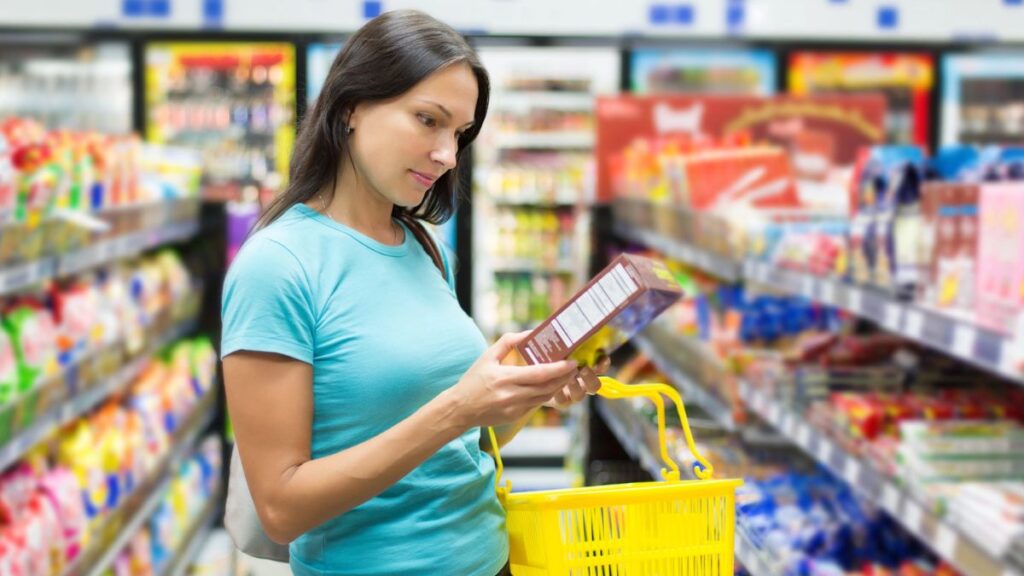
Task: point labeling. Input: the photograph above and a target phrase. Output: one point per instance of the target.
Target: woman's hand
(586, 383)
(492, 394)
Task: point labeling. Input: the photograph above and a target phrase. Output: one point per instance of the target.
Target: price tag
(774, 413)
(807, 286)
(825, 451)
(963, 340)
(891, 499)
(892, 317)
(915, 324)
(803, 435)
(1011, 572)
(855, 300)
(945, 542)
(852, 471)
(1011, 356)
(828, 292)
(761, 403)
(913, 516)
(790, 426)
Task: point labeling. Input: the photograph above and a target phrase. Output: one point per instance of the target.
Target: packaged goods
(610, 309)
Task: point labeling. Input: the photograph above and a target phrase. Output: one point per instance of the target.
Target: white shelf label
(1011, 356)
(945, 542)
(807, 286)
(891, 499)
(774, 413)
(963, 340)
(892, 317)
(803, 435)
(852, 470)
(913, 516)
(828, 292)
(789, 426)
(855, 300)
(915, 324)
(825, 450)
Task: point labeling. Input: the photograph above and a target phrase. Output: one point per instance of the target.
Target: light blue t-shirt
(384, 334)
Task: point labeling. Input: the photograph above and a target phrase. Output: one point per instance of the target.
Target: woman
(356, 384)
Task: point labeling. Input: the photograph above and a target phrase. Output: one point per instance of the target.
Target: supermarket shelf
(539, 442)
(82, 403)
(948, 541)
(125, 522)
(530, 266)
(564, 101)
(197, 536)
(122, 247)
(535, 479)
(691, 390)
(958, 337)
(537, 202)
(21, 276)
(545, 140)
(870, 483)
(631, 434)
(724, 268)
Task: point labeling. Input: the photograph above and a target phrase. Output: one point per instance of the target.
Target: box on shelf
(1000, 280)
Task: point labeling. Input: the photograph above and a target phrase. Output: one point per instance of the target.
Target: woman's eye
(426, 120)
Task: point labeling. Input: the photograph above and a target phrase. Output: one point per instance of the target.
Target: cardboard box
(950, 238)
(1000, 279)
(615, 305)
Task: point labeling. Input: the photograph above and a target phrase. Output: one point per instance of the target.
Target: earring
(348, 130)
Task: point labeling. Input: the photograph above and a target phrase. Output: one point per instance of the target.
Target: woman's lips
(423, 179)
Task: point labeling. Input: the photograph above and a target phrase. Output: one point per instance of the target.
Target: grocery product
(1000, 256)
(616, 304)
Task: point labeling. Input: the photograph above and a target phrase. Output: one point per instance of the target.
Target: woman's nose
(444, 154)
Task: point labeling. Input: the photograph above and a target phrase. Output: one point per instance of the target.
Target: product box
(950, 242)
(759, 177)
(1000, 279)
(615, 305)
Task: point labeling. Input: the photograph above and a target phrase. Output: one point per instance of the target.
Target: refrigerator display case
(983, 98)
(703, 71)
(234, 102)
(533, 181)
(319, 58)
(71, 84)
(905, 79)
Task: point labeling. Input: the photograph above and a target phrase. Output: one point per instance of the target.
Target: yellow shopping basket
(669, 528)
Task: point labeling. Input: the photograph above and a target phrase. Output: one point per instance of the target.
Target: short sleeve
(449, 269)
(267, 303)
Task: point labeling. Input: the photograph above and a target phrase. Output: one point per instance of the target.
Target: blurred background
(836, 185)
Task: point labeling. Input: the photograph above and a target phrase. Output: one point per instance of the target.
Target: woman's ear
(349, 120)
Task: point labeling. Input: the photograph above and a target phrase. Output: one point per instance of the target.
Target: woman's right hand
(491, 393)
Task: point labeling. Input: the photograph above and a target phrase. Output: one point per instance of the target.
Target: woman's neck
(361, 208)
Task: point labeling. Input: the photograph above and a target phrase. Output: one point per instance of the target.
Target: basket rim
(618, 494)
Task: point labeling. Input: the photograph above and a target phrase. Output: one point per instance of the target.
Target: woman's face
(400, 147)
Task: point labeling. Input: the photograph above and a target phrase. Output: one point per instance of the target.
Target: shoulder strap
(423, 237)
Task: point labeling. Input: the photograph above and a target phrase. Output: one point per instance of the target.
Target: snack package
(1000, 281)
(615, 305)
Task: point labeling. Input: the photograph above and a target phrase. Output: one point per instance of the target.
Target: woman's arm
(270, 398)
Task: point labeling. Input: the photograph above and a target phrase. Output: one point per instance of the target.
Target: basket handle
(613, 390)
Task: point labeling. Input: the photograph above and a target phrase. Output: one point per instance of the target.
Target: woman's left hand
(581, 387)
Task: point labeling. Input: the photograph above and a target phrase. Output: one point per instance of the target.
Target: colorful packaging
(949, 242)
(616, 304)
(1000, 280)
